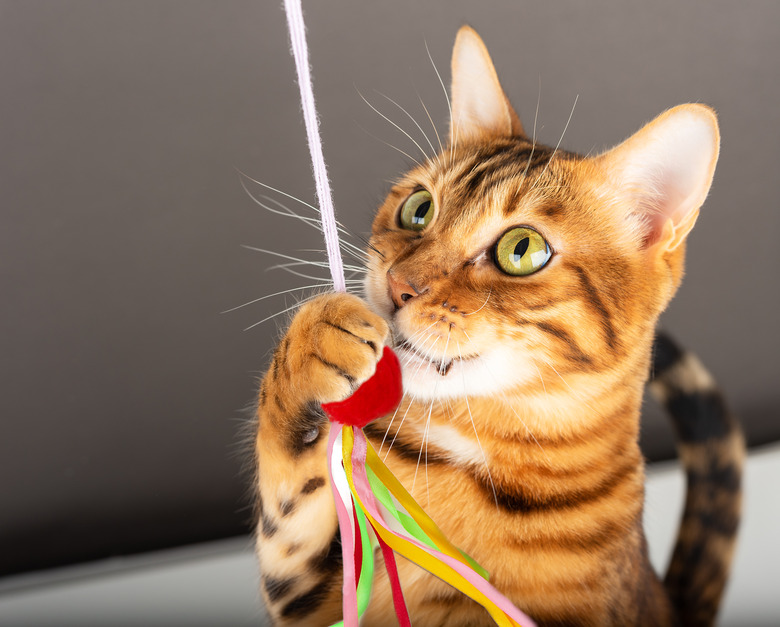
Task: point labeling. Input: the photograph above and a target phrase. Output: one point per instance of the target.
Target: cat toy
(371, 504)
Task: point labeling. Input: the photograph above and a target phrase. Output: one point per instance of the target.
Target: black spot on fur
(552, 210)
(277, 588)
(268, 527)
(699, 417)
(312, 484)
(308, 602)
(721, 477)
(287, 507)
(331, 559)
(665, 354)
(724, 523)
(306, 429)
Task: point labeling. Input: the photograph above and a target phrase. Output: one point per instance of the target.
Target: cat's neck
(573, 408)
(511, 432)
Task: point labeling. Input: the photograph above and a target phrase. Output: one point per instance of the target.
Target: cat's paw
(335, 342)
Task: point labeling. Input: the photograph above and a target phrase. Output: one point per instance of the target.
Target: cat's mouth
(411, 356)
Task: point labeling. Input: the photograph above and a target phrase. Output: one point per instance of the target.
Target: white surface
(216, 584)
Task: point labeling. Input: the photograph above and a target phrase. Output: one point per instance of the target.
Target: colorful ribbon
(400, 524)
(368, 495)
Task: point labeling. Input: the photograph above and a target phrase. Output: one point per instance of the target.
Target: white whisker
(278, 191)
(401, 424)
(302, 275)
(297, 261)
(578, 396)
(409, 115)
(428, 353)
(318, 264)
(412, 139)
(533, 437)
(423, 357)
(291, 213)
(416, 333)
(483, 304)
(379, 139)
(389, 426)
(296, 305)
(446, 95)
(533, 140)
(549, 161)
(430, 119)
(272, 252)
(422, 443)
(474, 426)
(257, 300)
(315, 222)
(447, 343)
(423, 354)
(544, 387)
(287, 268)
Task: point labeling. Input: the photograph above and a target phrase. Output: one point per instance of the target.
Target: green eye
(418, 211)
(522, 251)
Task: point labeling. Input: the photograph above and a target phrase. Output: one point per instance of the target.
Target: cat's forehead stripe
(482, 171)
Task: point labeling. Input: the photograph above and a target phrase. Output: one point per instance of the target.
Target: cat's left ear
(479, 105)
(664, 172)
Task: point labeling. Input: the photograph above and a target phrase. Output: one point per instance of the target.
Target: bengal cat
(520, 286)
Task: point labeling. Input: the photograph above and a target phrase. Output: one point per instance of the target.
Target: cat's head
(507, 266)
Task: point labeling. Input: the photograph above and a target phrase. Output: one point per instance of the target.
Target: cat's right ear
(664, 171)
(479, 106)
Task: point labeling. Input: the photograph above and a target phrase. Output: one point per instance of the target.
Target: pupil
(520, 249)
(421, 211)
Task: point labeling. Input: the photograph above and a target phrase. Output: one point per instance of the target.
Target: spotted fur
(519, 429)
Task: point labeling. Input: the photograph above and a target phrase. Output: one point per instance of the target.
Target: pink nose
(400, 291)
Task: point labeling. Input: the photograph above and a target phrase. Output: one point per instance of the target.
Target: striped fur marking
(309, 602)
(278, 588)
(712, 451)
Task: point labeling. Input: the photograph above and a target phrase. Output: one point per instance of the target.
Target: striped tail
(712, 451)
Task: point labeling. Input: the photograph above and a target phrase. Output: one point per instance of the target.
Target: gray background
(122, 125)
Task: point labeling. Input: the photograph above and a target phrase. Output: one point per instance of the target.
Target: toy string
(324, 197)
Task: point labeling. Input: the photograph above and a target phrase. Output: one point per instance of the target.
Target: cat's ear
(479, 105)
(665, 170)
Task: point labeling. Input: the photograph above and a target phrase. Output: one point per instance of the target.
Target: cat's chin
(475, 375)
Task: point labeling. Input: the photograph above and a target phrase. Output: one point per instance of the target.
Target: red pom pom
(377, 397)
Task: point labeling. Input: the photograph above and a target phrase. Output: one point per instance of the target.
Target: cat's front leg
(331, 347)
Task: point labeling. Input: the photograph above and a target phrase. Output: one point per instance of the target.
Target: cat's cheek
(495, 372)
